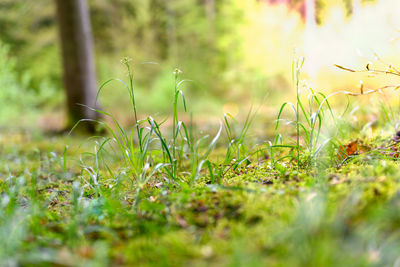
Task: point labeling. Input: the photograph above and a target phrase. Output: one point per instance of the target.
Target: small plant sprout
(309, 118)
(134, 145)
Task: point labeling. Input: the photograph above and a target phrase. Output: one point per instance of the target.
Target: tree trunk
(210, 10)
(310, 15)
(78, 60)
(172, 41)
(211, 14)
(356, 7)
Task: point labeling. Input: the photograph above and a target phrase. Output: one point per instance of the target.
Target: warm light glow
(273, 31)
(231, 109)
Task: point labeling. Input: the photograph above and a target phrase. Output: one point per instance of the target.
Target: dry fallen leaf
(348, 150)
(353, 148)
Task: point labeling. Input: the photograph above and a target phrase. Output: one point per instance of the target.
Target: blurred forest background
(236, 52)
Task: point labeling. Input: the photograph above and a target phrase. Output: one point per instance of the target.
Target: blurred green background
(236, 52)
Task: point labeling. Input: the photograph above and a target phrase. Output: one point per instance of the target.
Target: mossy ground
(256, 216)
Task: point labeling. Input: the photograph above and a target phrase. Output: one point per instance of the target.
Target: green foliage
(20, 105)
(33, 39)
(172, 195)
(166, 193)
(13, 96)
(53, 215)
(190, 34)
(309, 117)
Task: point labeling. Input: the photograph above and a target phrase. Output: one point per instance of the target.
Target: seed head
(177, 72)
(126, 60)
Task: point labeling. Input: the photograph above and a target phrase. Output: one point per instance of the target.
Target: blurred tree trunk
(210, 9)
(78, 60)
(356, 7)
(172, 41)
(211, 13)
(310, 13)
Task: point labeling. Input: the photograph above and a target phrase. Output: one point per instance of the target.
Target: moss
(258, 215)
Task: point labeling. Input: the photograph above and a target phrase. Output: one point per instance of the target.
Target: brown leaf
(348, 150)
(353, 148)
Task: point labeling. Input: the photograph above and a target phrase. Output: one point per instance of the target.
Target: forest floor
(56, 212)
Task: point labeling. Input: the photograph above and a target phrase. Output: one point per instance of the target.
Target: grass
(255, 216)
(164, 193)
